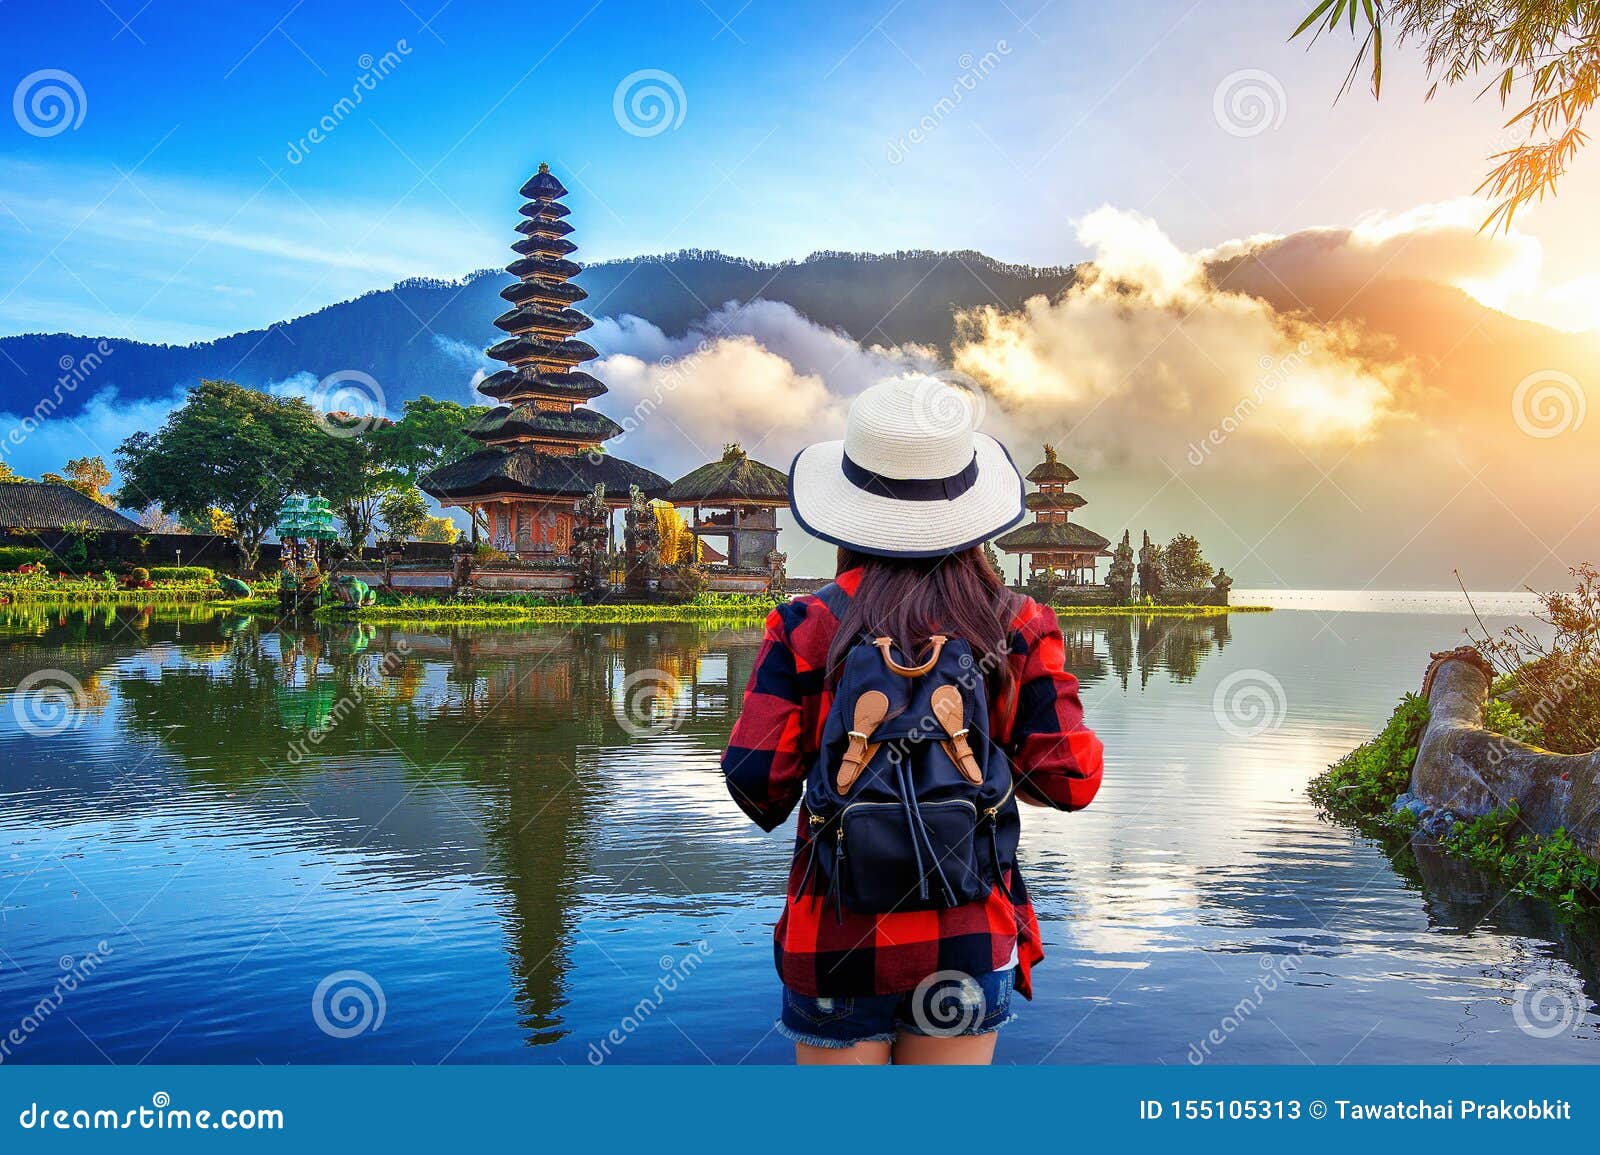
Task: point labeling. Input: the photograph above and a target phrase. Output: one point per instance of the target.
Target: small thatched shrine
(542, 446)
(1057, 547)
(745, 496)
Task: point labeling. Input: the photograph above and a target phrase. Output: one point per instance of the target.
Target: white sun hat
(912, 477)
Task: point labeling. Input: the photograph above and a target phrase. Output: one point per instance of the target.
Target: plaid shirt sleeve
(766, 759)
(1057, 760)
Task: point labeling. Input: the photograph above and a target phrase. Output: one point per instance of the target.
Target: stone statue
(1120, 574)
(1149, 568)
(778, 568)
(642, 539)
(353, 592)
(589, 539)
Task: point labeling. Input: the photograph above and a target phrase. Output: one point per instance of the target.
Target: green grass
(1547, 866)
(513, 609)
(1155, 611)
(1361, 787)
(1365, 782)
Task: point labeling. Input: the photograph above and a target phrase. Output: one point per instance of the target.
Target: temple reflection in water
(545, 802)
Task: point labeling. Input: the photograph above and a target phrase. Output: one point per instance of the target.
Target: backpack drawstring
(834, 891)
(810, 851)
(916, 826)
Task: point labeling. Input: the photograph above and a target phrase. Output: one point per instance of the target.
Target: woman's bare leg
(961, 1050)
(868, 1054)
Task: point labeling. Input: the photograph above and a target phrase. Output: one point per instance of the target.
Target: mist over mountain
(1274, 396)
(424, 336)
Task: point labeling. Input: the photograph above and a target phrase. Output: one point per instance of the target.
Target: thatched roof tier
(527, 420)
(735, 480)
(543, 293)
(512, 385)
(529, 319)
(528, 472)
(531, 350)
(524, 267)
(543, 186)
(1051, 470)
(1066, 500)
(48, 505)
(544, 226)
(549, 209)
(1052, 537)
(542, 246)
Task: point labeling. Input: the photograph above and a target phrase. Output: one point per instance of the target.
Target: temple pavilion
(542, 446)
(1057, 547)
(744, 496)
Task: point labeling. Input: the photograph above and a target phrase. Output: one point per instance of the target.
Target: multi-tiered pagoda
(542, 445)
(1057, 547)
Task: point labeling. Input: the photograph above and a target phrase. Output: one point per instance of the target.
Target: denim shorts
(945, 1005)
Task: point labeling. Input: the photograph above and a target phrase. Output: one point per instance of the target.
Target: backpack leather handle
(884, 643)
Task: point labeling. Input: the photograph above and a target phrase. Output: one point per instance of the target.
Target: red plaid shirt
(1055, 759)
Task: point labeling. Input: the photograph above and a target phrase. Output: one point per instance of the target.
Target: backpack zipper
(994, 810)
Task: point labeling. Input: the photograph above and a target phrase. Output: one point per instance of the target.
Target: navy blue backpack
(910, 800)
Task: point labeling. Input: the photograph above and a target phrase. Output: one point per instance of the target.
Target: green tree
(1549, 52)
(438, 529)
(88, 475)
(366, 474)
(1182, 564)
(429, 434)
(404, 513)
(235, 449)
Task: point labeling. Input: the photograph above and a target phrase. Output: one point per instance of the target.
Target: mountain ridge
(426, 335)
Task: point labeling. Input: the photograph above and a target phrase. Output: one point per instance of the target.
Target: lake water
(244, 844)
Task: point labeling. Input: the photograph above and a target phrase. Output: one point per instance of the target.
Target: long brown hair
(912, 598)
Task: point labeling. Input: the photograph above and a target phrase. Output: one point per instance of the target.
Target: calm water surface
(239, 813)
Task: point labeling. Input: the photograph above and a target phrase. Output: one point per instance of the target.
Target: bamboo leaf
(1312, 19)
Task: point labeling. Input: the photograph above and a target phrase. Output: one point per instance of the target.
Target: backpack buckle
(871, 709)
(952, 716)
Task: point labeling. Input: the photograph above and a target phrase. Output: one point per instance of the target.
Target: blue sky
(189, 202)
